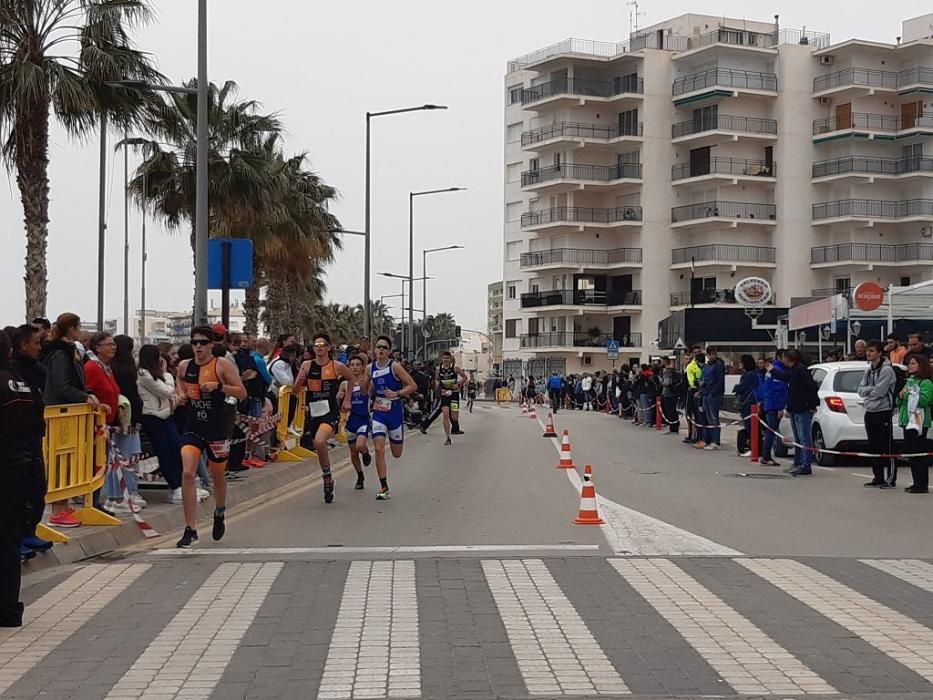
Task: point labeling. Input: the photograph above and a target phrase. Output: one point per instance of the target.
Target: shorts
(390, 424)
(452, 401)
(217, 450)
(312, 425)
(357, 425)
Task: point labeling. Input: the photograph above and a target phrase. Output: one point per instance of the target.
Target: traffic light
(457, 331)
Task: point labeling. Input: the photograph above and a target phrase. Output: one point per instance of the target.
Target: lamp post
(424, 289)
(411, 254)
(367, 307)
(405, 280)
(390, 296)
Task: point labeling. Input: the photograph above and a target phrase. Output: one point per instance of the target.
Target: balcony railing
(722, 252)
(582, 87)
(582, 215)
(581, 297)
(872, 253)
(580, 130)
(574, 171)
(727, 210)
(829, 292)
(872, 122)
(706, 296)
(565, 339)
(872, 166)
(864, 77)
(581, 256)
(725, 77)
(719, 165)
(921, 75)
(734, 37)
(873, 209)
(724, 122)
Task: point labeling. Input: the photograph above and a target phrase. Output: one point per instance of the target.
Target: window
(905, 282)
(515, 94)
(513, 132)
(513, 250)
(628, 123)
(842, 284)
(513, 172)
(847, 381)
(511, 328)
(513, 212)
(818, 375)
(510, 291)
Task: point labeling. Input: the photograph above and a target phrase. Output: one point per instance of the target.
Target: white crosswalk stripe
(913, 571)
(188, 658)
(58, 614)
(553, 646)
(887, 630)
(746, 658)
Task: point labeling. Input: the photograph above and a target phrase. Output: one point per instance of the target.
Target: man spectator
(712, 389)
(692, 374)
(802, 402)
(916, 346)
(895, 349)
(877, 392)
(774, 400)
(671, 379)
(257, 379)
(860, 351)
(586, 384)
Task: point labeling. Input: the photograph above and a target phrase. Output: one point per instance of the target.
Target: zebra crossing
(576, 626)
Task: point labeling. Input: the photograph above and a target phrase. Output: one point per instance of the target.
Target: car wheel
(819, 442)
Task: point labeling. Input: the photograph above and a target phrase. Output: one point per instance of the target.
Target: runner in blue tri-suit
(358, 426)
(390, 383)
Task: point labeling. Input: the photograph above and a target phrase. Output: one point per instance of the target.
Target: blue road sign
(241, 262)
(612, 347)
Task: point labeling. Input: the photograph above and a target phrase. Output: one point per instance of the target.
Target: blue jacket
(555, 383)
(713, 378)
(746, 391)
(773, 391)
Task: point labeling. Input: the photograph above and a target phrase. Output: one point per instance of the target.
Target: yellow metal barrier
(290, 449)
(75, 451)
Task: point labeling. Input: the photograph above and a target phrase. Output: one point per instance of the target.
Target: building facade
(494, 320)
(644, 179)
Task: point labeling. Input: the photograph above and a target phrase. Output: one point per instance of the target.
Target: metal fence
(724, 122)
(583, 215)
(868, 77)
(580, 130)
(724, 252)
(872, 252)
(580, 256)
(583, 87)
(725, 77)
(730, 210)
(719, 165)
(873, 208)
(870, 165)
(574, 171)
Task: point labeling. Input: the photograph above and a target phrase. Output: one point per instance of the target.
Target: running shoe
(367, 459)
(64, 519)
(220, 527)
(383, 494)
(328, 488)
(188, 540)
(447, 441)
(36, 543)
(359, 482)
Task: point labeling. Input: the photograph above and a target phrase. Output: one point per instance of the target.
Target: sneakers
(711, 446)
(802, 471)
(121, 507)
(64, 519)
(176, 498)
(254, 463)
(699, 445)
(188, 539)
(916, 489)
(328, 488)
(37, 544)
(688, 441)
(217, 532)
(872, 484)
(424, 431)
(383, 494)
(294, 431)
(887, 485)
(367, 459)
(25, 554)
(138, 500)
(747, 453)
(359, 481)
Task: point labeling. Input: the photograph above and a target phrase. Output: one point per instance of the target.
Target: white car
(839, 422)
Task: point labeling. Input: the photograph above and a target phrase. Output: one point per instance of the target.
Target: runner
(358, 427)
(321, 376)
(391, 382)
(471, 391)
(207, 384)
(446, 378)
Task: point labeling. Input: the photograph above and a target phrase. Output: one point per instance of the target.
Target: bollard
(657, 413)
(754, 433)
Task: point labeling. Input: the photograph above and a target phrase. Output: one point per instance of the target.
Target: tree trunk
(251, 306)
(31, 134)
(276, 298)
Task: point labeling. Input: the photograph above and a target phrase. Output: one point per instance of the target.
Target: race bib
(317, 409)
(382, 404)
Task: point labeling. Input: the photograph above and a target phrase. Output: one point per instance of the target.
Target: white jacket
(156, 395)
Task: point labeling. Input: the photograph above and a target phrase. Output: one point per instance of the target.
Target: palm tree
(55, 58)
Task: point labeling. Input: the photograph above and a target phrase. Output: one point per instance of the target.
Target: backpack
(900, 382)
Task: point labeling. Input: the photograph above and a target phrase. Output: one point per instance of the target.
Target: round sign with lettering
(868, 296)
(753, 291)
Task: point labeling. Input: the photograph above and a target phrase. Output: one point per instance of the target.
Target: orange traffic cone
(566, 459)
(589, 513)
(550, 432)
(524, 409)
(531, 412)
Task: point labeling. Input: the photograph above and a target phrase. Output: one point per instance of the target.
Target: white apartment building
(494, 319)
(644, 179)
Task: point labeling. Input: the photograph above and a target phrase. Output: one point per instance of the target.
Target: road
(473, 582)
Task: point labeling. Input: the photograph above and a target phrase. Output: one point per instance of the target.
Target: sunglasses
(200, 341)
(382, 347)
(320, 345)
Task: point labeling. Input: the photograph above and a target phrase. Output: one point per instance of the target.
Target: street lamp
(367, 310)
(424, 289)
(404, 279)
(382, 304)
(411, 254)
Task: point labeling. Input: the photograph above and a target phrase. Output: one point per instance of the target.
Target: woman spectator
(773, 399)
(64, 384)
(157, 390)
(746, 395)
(913, 406)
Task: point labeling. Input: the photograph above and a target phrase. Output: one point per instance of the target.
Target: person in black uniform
(17, 460)
(450, 380)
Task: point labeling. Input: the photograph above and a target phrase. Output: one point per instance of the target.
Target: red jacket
(102, 384)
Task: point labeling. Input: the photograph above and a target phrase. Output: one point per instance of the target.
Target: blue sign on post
(612, 347)
(241, 263)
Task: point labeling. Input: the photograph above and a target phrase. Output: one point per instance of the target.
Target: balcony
(722, 82)
(871, 210)
(871, 167)
(872, 254)
(718, 168)
(582, 258)
(722, 254)
(572, 176)
(581, 89)
(597, 51)
(724, 124)
(706, 296)
(878, 127)
(581, 297)
(578, 217)
(858, 78)
(919, 79)
(579, 132)
(743, 39)
(717, 213)
(568, 339)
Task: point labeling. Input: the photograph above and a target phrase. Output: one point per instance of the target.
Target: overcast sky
(322, 66)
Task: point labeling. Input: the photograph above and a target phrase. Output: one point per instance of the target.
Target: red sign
(868, 296)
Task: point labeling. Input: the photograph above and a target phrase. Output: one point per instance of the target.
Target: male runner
(322, 376)
(450, 380)
(471, 391)
(358, 427)
(391, 382)
(207, 384)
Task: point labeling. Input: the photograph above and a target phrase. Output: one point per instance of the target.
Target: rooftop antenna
(633, 16)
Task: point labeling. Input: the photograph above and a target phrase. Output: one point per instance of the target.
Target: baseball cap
(220, 330)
